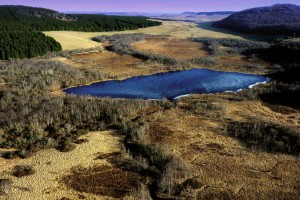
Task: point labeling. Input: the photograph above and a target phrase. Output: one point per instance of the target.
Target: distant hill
(277, 19)
(40, 19)
(216, 13)
(21, 26)
(209, 13)
(189, 13)
(13, 12)
(123, 13)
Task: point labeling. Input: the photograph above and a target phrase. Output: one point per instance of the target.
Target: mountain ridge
(209, 13)
(276, 19)
(9, 10)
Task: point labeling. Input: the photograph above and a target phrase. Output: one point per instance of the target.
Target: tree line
(20, 29)
(25, 44)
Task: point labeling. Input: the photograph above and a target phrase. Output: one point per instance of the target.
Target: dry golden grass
(76, 40)
(116, 65)
(111, 63)
(51, 166)
(256, 109)
(71, 40)
(224, 166)
(238, 63)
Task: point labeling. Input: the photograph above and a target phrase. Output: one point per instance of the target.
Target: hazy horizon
(153, 6)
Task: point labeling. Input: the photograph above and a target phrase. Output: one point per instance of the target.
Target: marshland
(226, 145)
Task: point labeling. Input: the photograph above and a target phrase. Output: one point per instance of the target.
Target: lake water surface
(170, 85)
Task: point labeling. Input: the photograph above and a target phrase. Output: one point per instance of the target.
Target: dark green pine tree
(20, 35)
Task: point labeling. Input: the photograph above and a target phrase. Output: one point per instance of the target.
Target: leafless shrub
(32, 119)
(141, 193)
(265, 136)
(236, 45)
(22, 170)
(175, 171)
(5, 186)
(69, 53)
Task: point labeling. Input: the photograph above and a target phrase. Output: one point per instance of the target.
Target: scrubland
(241, 145)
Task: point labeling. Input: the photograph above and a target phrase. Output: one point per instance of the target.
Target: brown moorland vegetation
(143, 63)
(224, 146)
(103, 180)
(112, 63)
(173, 47)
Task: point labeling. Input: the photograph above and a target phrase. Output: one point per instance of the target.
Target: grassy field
(224, 166)
(71, 40)
(51, 165)
(77, 40)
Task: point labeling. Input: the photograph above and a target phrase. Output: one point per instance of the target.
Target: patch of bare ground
(173, 47)
(51, 166)
(224, 167)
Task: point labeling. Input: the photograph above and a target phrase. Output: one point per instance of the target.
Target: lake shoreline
(203, 73)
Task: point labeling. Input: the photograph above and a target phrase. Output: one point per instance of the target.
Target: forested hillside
(25, 44)
(277, 19)
(20, 28)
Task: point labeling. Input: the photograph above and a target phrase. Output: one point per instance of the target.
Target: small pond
(171, 85)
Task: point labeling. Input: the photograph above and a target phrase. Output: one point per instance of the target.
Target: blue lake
(170, 85)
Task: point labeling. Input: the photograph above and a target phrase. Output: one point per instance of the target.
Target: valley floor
(71, 40)
(196, 130)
